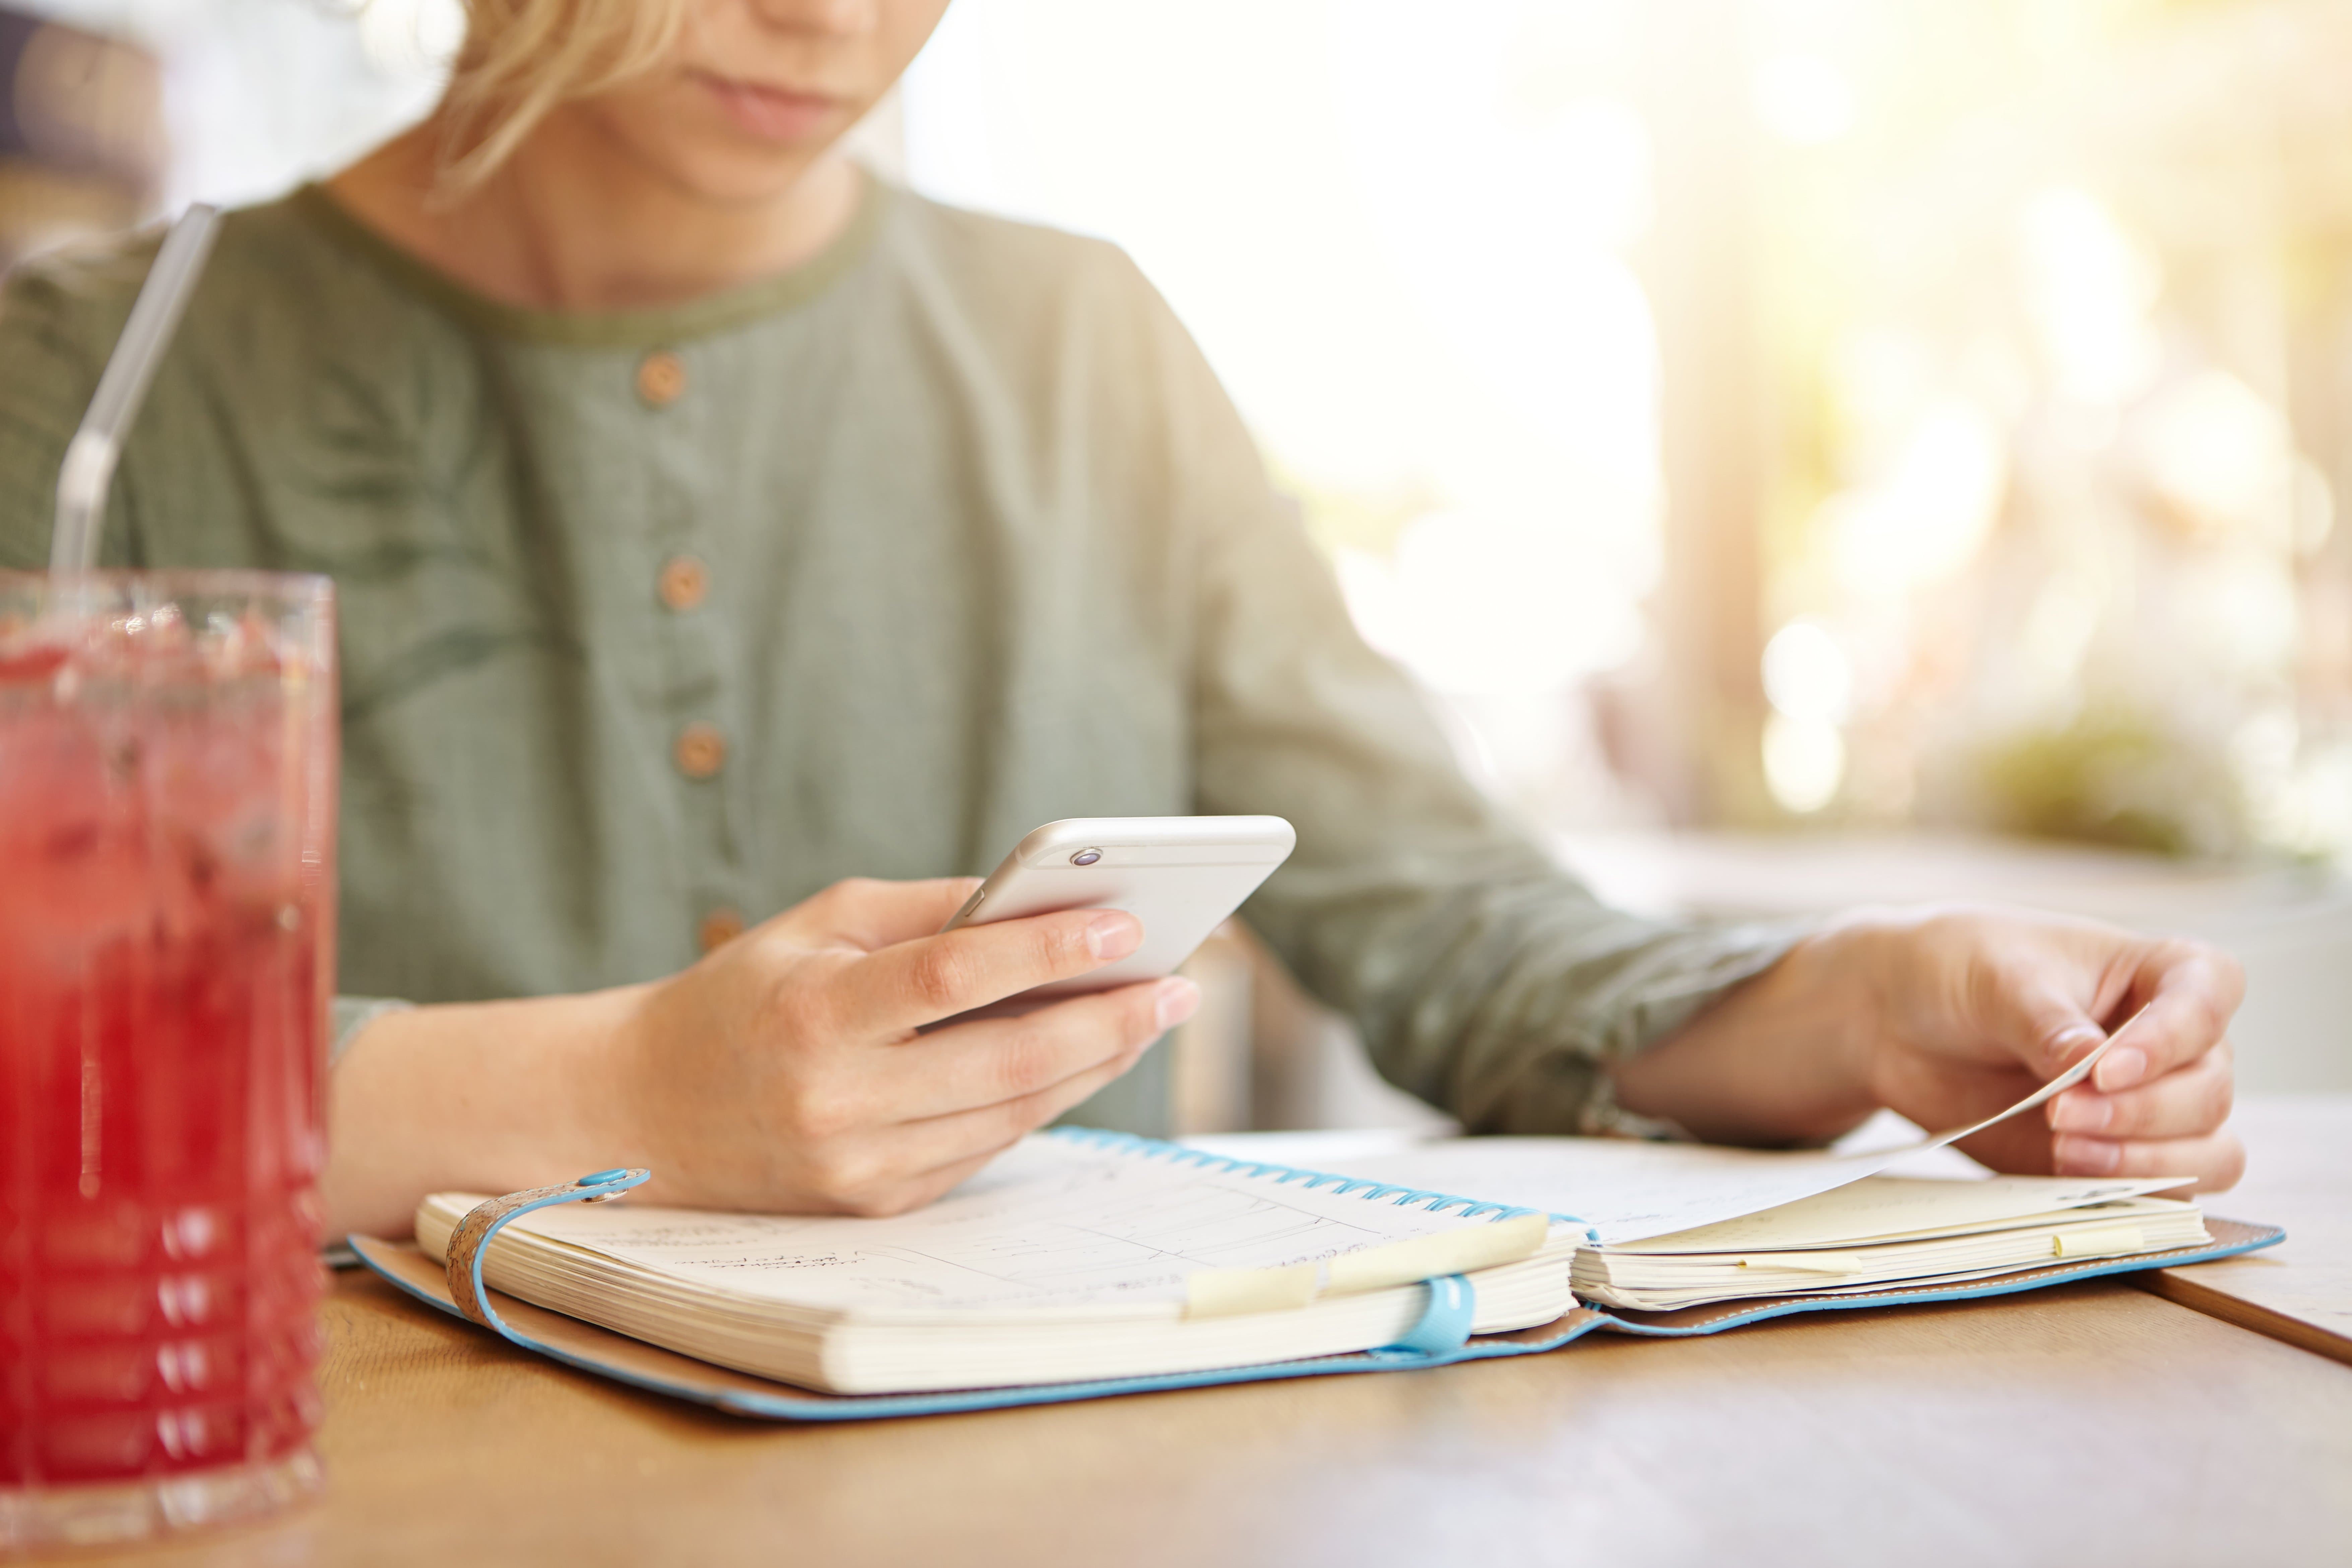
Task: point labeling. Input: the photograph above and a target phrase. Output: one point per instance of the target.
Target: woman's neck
(570, 224)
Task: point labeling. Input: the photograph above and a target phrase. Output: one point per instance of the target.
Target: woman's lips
(771, 114)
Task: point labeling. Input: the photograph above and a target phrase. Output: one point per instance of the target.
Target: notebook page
(1889, 1208)
(1622, 1191)
(1051, 1224)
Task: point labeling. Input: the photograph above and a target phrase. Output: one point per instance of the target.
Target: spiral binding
(1283, 1175)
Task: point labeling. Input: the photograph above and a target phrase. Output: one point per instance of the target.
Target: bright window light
(1802, 99)
(1804, 763)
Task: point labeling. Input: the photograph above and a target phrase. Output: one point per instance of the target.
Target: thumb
(872, 914)
(2042, 1028)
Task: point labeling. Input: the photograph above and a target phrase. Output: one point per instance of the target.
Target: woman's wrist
(591, 1052)
(478, 1096)
(1787, 1056)
(1856, 963)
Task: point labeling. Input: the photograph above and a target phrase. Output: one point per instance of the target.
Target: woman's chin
(745, 181)
(723, 170)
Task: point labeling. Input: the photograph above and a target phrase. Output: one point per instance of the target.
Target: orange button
(661, 378)
(701, 750)
(718, 928)
(684, 580)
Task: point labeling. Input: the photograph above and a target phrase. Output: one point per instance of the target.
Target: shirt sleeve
(1484, 978)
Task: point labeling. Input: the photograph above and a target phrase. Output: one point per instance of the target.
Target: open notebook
(1083, 1264)
(1069, 1257)
(1872, 1231)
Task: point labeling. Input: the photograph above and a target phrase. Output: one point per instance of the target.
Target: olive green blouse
(657, 621)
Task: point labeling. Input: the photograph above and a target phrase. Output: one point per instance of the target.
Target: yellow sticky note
(1808, 1262)
(1429, 1257)
(1224, 1292)
(1221, 1292)
(2098, 1241)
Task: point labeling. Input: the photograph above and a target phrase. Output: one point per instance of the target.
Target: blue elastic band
(588, 1189)
(1444, 1326)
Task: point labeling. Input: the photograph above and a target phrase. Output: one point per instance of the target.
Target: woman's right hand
(784, 1072)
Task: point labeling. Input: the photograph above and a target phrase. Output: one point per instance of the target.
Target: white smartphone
(1179, 875)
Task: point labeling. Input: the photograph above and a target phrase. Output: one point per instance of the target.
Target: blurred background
(1812, 451)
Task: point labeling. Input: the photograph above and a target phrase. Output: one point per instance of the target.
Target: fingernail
(2085, 1156)
(1114, 934)
(1178, 1000)
(2121, 1067)
(2079, 1112)
(2078, 1040)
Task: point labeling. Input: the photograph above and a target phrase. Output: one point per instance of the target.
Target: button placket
(698, 748)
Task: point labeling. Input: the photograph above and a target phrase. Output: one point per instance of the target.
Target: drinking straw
(88, 467)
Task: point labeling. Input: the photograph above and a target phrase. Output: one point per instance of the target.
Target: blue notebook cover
(1441, 1338)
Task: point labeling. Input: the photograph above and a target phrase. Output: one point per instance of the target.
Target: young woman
(713, 524)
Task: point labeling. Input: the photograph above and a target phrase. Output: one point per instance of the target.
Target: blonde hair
(523, 58)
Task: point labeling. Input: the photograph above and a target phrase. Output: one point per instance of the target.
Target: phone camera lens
(1086, 857)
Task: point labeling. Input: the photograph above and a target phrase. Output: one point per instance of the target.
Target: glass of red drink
(167, 809)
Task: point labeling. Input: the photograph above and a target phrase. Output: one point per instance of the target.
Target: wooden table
(2087, 1425)
(2299, 1176)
